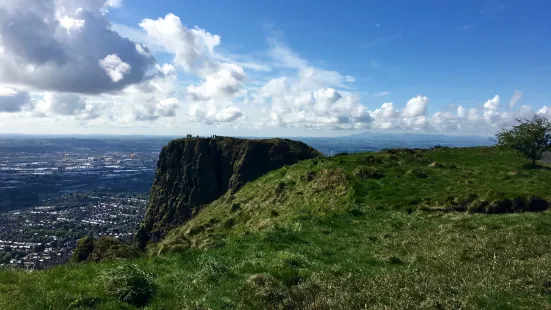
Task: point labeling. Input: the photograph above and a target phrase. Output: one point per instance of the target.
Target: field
(403, 229)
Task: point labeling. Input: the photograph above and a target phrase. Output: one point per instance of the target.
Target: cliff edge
(193, 172)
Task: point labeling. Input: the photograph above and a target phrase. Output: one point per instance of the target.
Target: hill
(442, 228)
(193, 172)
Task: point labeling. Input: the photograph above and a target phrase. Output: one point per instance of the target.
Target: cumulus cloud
(223, 83)
(155, 98)
(545, 111)
(308, 97)
(416, 107)
(193, 49)
(12, 100)
(152, 110)
(194, 52)
(60, 104)
(115, 68)
(58, 45)
(492, 104)
(77, 66)
(211, 113)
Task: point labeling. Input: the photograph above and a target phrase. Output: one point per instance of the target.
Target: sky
(272, 68)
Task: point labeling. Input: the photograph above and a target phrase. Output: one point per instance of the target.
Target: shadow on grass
(531, 166)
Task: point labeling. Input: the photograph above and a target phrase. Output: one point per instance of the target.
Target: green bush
(85, 247)
(110, 248)
(369, 172)
(89, 249)
(130, 284)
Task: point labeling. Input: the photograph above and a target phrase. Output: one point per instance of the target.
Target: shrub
(130, 284)
(372, 159)
(111, 248)
(85, 247)
(369, 172)
(397, 151)
(89, 249)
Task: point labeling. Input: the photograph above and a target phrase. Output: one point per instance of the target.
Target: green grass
(319, 236)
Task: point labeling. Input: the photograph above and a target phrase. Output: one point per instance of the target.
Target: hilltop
(443, 228)
(193, 172)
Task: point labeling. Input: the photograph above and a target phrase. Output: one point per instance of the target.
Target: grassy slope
(334, 240)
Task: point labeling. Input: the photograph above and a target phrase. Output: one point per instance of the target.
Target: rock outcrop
(193, 172)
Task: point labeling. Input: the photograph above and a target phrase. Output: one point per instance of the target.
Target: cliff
(193, 172)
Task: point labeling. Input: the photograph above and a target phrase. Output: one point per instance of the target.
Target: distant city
(56, 190)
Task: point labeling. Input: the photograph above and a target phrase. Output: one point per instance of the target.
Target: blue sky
(455, 52)
(294, 67)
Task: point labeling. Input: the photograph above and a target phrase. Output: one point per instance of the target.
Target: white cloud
(115, 68)
(275, 87)
(545, 111)
(308, 97)
(78, 68)
(71, 24)
(416, 107)
(153, 99)
(386, 111)
(492, 104)
(517, 95)
(461, 112)
(114, 3)
(285, 57)
(219, 85)
(59, 104)
(153, 110)
(57, 45)
(444, 121)
(526, 112)
(210, 113)
(193, 49)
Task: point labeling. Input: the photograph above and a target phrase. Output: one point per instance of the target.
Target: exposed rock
(193, 172)
(436, 165)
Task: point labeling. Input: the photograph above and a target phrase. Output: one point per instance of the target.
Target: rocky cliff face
(193, 172)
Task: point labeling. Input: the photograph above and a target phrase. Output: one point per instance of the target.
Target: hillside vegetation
(192, 172)
(400, 229)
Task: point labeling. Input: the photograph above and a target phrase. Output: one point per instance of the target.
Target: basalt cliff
(192, 172)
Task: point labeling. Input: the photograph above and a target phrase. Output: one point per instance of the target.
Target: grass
(318, 236)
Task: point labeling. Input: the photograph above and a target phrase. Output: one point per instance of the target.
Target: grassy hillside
(390, 230)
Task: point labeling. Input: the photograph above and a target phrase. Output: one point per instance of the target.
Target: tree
(530, 138)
